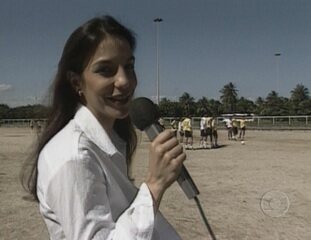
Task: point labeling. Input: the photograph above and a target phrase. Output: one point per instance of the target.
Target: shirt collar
(94, 130)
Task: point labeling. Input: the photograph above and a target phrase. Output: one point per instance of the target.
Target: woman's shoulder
(68, 146)
(65, 138)
(62, 147)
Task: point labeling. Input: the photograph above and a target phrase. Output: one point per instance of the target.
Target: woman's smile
(120, 99)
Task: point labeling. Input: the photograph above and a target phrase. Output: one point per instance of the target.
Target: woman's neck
(106, 123)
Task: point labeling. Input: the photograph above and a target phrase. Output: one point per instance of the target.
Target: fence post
(289, 123)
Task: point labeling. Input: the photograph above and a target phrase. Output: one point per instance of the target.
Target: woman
(80, 175)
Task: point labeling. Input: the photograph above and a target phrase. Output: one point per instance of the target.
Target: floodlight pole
(277, 55)
(157, 21)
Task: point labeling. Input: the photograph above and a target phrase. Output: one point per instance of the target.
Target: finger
(174, 152)
(164, 150)
(170, 144)
(178, 161)
(164, 136)
(178, 149)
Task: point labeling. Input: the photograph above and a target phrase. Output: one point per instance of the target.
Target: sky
(203, 45)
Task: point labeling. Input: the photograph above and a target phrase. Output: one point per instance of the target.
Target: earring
(80, 93)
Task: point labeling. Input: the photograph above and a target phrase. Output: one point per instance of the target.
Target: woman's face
(109, 80)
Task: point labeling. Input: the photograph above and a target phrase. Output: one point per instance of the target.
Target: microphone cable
(209, 229)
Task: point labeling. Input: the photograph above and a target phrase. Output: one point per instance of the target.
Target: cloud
(5, 87)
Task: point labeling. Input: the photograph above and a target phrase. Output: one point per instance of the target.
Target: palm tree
(229, 97)
(202, 106)
(168, 108)
(215, 107)
(4, 110)
(245, 105)
(188, 104)
(259, 105)
(275, 105)
(299, 93)
(299, 99)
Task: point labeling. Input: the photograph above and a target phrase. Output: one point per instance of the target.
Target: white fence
(21, 122)
(260, 122)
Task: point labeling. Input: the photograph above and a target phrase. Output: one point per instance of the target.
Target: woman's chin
(115, 110)
(120, 113)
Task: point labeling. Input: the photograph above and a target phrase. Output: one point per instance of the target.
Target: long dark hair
(78, 50)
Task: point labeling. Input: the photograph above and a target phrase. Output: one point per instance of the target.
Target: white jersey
(228, 122)
(203, 123)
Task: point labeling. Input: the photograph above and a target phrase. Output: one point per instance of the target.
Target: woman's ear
(75, 81)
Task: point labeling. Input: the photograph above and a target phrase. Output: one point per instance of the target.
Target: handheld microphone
(145, 114)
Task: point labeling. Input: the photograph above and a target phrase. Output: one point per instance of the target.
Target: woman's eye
(106, 71)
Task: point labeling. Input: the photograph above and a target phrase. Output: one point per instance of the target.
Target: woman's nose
(124, 78)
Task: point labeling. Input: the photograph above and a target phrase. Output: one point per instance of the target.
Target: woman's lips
(120, 99)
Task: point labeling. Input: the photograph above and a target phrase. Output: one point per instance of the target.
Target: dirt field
(260, 190)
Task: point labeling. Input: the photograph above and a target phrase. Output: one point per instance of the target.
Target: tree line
(299, 103)
(37, 111)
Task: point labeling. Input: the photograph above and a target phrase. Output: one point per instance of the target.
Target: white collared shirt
(84, 190)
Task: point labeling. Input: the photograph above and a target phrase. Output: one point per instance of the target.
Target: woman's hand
(166, 157)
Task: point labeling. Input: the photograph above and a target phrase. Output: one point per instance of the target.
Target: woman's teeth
(120, 100)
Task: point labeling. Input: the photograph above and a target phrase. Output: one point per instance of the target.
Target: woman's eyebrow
(103, 61)
(97, 65)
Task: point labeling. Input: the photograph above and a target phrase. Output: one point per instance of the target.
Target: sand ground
(260, 190)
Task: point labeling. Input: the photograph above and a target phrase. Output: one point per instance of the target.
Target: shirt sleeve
(78, 196)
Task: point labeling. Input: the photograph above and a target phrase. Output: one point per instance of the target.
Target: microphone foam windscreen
(143, 112)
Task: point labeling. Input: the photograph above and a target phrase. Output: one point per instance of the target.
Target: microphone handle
(184, 180)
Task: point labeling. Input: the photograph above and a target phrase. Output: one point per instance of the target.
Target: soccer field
(260, 190)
